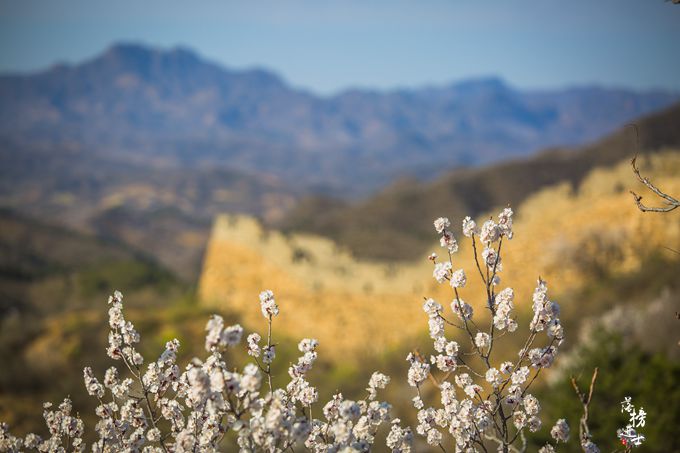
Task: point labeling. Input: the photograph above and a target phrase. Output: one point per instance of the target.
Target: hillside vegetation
(154, 207)
(572, 237)
(398, 212)
(54, 284)
(46, 269)
(612, 268)
(590, 243)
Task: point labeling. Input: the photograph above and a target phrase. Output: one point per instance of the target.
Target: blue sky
(327, 46)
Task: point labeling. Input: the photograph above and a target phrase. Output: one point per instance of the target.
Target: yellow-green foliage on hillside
(567, 236)
(572, 237)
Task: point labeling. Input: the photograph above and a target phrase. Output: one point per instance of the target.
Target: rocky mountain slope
(397, 212)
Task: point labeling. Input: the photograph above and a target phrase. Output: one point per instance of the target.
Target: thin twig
(584, 431)
(269, 346)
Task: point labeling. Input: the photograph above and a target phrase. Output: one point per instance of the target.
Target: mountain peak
(136, 54)
(155, 65)
(482, 84)
(128, 51)
(175, 102)
(126, 57)
(147, 60)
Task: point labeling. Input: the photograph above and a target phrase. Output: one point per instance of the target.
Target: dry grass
(567, 237)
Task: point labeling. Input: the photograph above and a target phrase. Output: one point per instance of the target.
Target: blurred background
(192, 155)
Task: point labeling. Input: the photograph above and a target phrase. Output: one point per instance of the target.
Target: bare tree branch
(584, 431)
(669, 200)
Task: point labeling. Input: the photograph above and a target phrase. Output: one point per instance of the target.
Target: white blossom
(560, 431)
(534, 424)
(462, 309)
(268, 354)
(308, 345)
(399, 440)
(441, 224)
(418, 370)
(253, 344)
(482, 340)
(442, 271)
(448, 241)
(531, 404)
(493, 377)
(490, 232)
(503, 310)
(377, 381)
(268, 304)
(231, 336)
(492, 259)
(463, 380)
(469, 227)
(458, 279)
(520, 375)
(432, 308)
(505, 222)
(589, 447)
(214, 329)
(94, 388)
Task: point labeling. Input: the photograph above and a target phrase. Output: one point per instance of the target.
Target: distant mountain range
(171, 108)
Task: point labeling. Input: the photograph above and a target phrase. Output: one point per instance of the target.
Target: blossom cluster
(161, 408)
(64, 428)
(482, 399)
